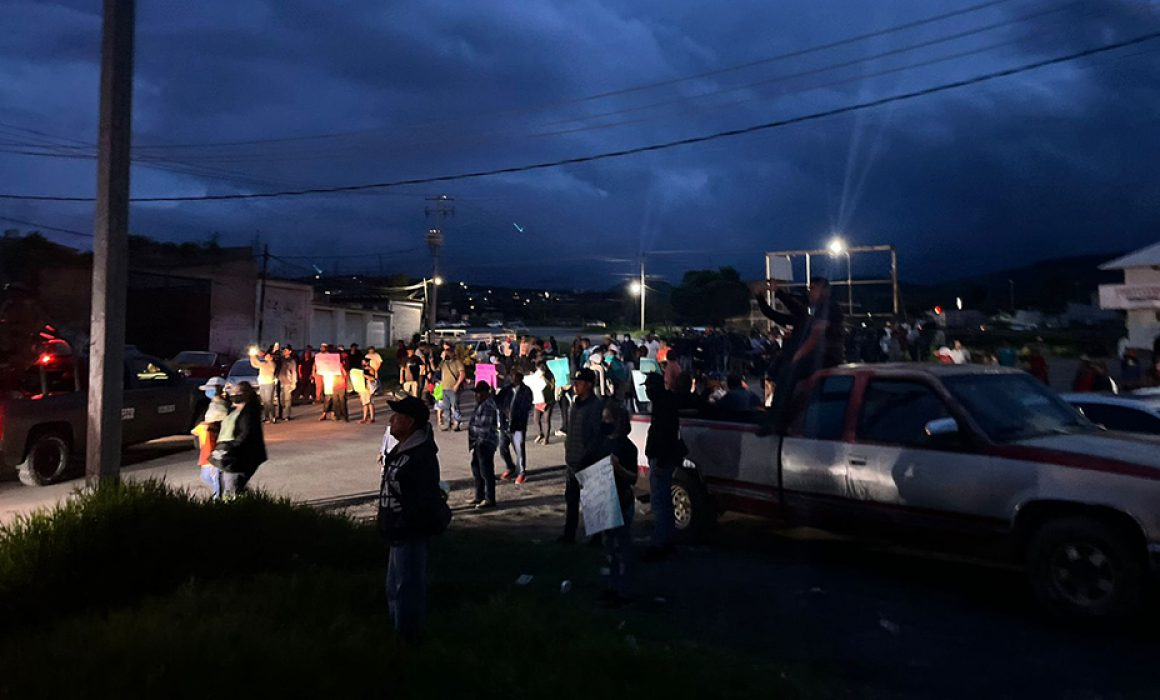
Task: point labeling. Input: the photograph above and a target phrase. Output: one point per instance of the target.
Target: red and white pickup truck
(944, 451)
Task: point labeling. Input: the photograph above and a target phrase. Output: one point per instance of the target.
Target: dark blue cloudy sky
(262, 95)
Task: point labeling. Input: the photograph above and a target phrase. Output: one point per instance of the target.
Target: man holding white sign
(585, 445)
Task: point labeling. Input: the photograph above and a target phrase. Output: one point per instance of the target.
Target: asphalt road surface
(879, 621)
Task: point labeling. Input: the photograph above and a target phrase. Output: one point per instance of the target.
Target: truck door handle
(857, 461)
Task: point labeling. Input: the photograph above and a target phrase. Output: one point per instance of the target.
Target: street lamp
(838, 247)
(637, 288)
(429, 302)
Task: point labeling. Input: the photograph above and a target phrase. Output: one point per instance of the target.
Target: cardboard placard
(598, 502)
(485, 372)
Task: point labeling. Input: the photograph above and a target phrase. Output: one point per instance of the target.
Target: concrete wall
(287, 317)
(406, 320)
(1144, 322)
(343, 326)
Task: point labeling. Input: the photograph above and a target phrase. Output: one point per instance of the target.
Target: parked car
(242, 371)
(1126, 413)
(44, 413)
(973, 454)
(199, 364)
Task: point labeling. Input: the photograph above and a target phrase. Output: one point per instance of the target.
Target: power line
(359, 152)
(826, 68)
(45, 227)
(607, 155)
(797, 53)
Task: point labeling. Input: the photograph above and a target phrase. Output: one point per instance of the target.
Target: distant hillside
(1046, 285)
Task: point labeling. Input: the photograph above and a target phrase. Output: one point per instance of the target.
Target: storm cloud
(269, 95)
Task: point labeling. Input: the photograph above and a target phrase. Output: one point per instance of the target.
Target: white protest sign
(328, 363)
(598, 501)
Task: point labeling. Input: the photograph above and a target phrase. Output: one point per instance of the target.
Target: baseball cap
(584, 375)
(213, 381)
(413, 407)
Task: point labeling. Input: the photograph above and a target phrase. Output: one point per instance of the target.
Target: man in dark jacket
(409, 499)
(585, 445)
(665, 452)
(515, 403)
(817, 340)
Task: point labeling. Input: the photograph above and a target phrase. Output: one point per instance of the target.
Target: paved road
(308, 460)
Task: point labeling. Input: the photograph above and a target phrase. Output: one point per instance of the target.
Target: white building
(1139, 295)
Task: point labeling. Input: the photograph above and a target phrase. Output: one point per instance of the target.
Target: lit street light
(838, 247)
(634, 288)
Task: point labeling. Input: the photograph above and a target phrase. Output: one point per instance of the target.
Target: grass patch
(128, 600)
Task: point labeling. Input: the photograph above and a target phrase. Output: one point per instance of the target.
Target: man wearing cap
(209, 428)
(409, 494)
(482, 440)
(585, 445)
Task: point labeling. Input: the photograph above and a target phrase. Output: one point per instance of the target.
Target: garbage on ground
(889, 626)
(632, 645)
(565, 586)
(524, 579)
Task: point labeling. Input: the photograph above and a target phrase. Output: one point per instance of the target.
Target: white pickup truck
(963, 452)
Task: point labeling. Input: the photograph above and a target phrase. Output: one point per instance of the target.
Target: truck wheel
(47, 460)
(1086, 569)
(693, 513)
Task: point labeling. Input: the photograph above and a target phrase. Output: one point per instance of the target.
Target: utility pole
(110, 246)
(435, 213)
(642, 293)
(262, 292)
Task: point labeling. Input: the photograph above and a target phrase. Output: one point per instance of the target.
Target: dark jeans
(565, 403)
(618, 549)
(483, 472)
(544, 421)
(407, 587)
(571, 504)
(514, 438)
(660, 483)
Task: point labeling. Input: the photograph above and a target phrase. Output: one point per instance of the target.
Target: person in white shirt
(959, 354)
(653, 346)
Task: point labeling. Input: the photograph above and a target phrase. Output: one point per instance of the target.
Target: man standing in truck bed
(817, 341)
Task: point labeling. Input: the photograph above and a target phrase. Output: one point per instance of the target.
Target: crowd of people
(325, 377)
(707, 369)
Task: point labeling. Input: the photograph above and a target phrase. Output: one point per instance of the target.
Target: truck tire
(47, 459)
(1086, 569)
(694, 517)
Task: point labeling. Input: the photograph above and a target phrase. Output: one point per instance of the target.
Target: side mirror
(942, 428)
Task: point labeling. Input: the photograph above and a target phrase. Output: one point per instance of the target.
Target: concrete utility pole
(262, 293)
(642, 293)
(110, 246)
(436, 213)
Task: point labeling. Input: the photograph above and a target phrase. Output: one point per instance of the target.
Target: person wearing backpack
(412, 509)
